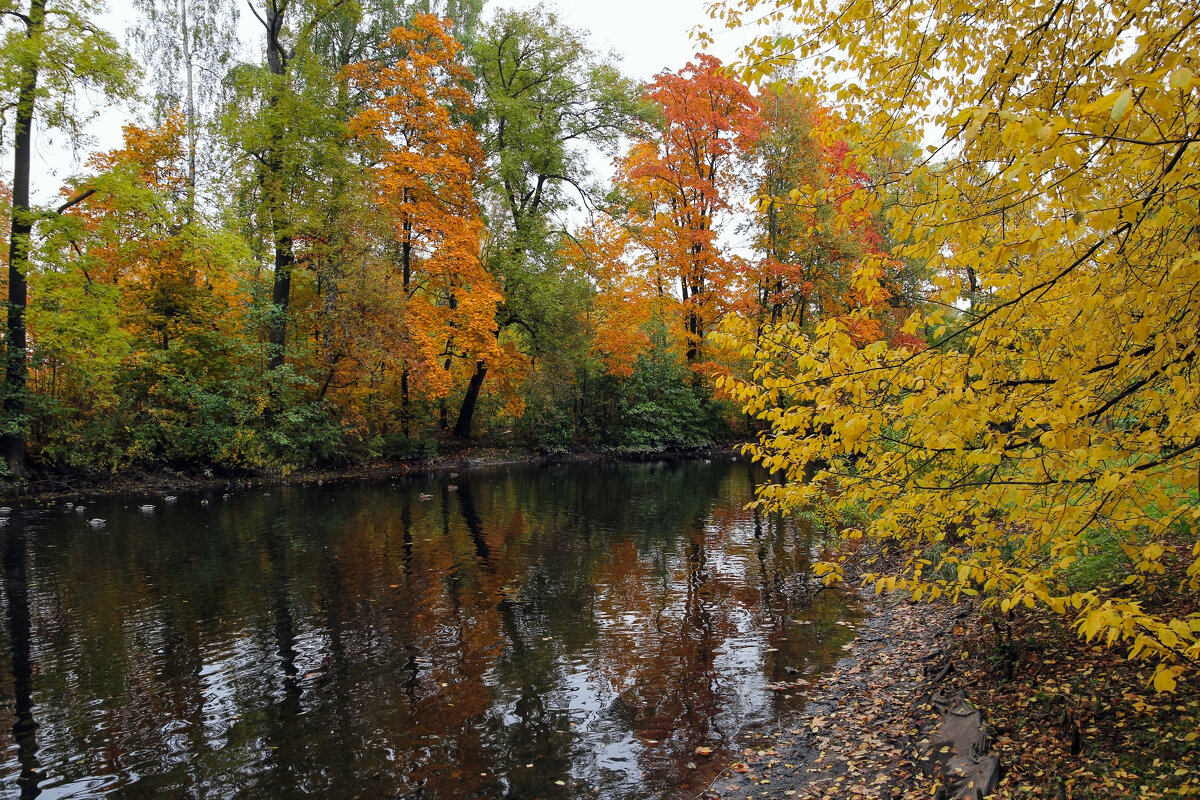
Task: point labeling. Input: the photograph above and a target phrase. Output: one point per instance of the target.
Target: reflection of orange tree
(523, 545)
(432, 594)
(660, 660)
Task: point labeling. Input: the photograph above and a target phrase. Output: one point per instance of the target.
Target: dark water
(537, 633)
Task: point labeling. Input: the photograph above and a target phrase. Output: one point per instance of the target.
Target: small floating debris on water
(424, 496)
(97, 522)
(146, 509)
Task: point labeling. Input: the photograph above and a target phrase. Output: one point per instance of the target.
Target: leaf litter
(1067, 721)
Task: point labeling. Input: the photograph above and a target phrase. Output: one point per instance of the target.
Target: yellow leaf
(1164, 681)
(1117, 112)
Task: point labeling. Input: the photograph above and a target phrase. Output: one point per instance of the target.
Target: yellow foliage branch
(1043, 450)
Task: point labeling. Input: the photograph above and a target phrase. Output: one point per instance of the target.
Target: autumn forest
(934, 267)
(397, 232)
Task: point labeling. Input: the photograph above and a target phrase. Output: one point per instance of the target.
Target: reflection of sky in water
(598, 623)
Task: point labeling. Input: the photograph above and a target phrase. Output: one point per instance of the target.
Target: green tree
(51, 52)
(544, 98)
(287, 118)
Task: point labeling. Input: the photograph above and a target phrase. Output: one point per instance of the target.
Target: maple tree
(1051, 426)
(682, 179)
(808, 237)
(427, 165)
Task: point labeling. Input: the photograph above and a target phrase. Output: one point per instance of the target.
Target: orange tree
(426, 160)
(681, 179)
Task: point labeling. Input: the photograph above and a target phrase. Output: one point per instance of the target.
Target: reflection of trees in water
(20, 636)
(359, 637)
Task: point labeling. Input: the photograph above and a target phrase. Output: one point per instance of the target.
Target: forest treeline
(396, 228)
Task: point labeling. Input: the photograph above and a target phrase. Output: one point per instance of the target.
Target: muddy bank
(50, 487)
(880, 724)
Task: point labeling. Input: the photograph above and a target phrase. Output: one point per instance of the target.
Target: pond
(514, 632)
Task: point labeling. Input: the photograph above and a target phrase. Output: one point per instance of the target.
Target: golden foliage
(1043, 450)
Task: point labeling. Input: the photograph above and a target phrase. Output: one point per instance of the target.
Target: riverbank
(165, 480)
(867, 727)
(1064, 720)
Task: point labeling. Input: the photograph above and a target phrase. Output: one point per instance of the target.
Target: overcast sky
(647, 36)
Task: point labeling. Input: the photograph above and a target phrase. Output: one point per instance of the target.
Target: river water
(514, 632)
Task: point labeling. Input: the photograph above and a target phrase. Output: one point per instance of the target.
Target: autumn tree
(683, 178)
(52, 52)
(140, 317)
(1051, 428)
(426, 164)
(353, 32)
(808, 249)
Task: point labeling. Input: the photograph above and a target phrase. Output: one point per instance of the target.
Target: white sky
(647, 37)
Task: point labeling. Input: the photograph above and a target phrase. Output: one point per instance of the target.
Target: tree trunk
(405, 410)
(12, 442)
(285, 259)
(191, 110)
(462, 428)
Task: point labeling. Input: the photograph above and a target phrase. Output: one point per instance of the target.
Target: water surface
(515, 632)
